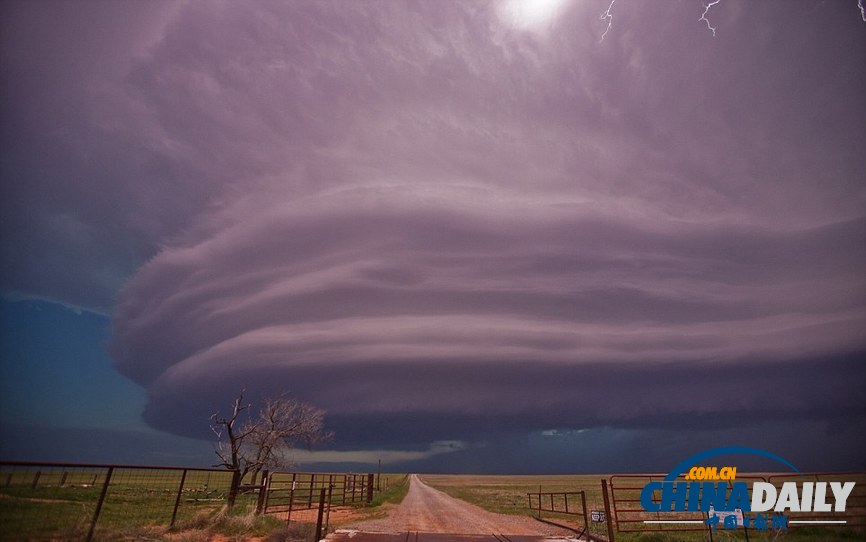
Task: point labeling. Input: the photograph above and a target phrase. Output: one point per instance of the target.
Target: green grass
(28, 520)
(62, 503)
(394, 489)
(139, 503)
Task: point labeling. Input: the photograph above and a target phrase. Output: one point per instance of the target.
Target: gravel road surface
(429, 510)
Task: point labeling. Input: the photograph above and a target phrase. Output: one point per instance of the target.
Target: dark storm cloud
(440, 221)
(609, 450)
(354, 277)
(412, 404)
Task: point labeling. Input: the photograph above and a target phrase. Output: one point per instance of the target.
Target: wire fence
(40, 501)
(75, 501)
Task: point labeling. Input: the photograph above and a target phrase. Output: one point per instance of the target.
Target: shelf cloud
(439, 223)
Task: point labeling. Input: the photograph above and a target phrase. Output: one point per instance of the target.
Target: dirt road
(429, 510)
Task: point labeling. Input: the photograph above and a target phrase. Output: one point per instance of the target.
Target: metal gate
(629, 516)
(287, 491)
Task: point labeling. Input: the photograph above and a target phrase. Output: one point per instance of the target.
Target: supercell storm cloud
(453, 221)
(439, 214)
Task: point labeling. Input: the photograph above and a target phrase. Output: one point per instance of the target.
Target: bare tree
(247, 442)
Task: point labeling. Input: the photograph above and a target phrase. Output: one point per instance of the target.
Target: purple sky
(470, 223)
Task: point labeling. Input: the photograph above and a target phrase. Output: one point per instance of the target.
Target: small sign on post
(597, 516)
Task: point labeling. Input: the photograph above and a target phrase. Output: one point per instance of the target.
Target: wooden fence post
(263, 491)
(233, 489)
(585, 515)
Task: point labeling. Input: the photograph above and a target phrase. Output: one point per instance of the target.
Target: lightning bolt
(607, 15)
(707, 10)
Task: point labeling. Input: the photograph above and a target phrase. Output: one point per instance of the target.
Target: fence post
(177, 499)
(370, 478)
(233, 490)
(321, 514)
(607, 510)
(36, 479)
(268, 492)
(539, 502)
(292, 497)
(263, 491)
(99, 504)
(585, 515)
(330, 501)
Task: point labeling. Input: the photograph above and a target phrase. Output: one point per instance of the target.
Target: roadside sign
(598, 516)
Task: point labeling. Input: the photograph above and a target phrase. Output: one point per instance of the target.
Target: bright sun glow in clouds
(533, 14)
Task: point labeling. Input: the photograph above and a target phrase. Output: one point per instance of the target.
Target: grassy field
(508, 494)
(60, 503)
